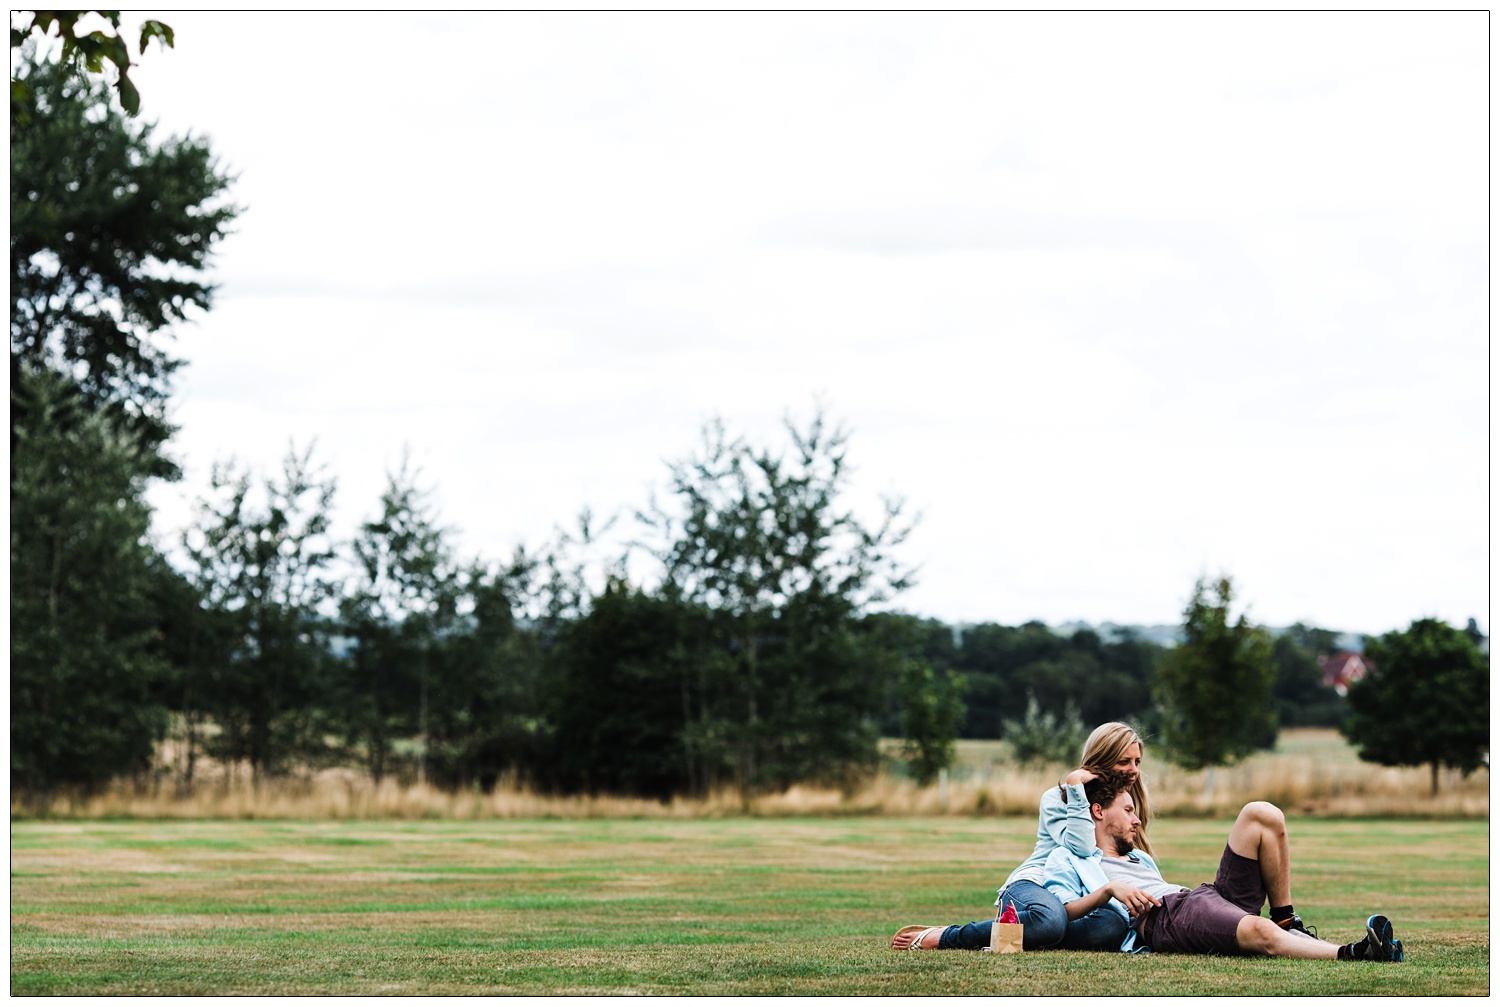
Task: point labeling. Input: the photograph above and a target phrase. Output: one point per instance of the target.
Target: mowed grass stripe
(706, 907)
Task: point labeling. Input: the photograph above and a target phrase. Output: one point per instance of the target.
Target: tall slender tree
(402, 607)
(489, 682)
(262, 556)
(111, 233)
(1216, 687)
(763, 542)
(83, 667)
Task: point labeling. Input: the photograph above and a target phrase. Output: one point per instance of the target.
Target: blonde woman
(1063, 822)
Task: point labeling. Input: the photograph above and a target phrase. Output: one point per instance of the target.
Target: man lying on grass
(1218, 918)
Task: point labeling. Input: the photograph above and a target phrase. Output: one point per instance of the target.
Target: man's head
(1113, 811)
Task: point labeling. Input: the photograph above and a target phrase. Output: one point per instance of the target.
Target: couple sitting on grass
(1091, 884)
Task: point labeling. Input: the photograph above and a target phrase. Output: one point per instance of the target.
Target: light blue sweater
(1062, 825)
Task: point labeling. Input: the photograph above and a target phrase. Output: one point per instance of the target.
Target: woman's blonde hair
(1105, 747)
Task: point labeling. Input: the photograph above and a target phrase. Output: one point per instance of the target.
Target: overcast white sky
(1114, 300)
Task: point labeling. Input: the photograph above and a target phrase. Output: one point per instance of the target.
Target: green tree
(932, 709)
(1043, 737)
(489, 677)
(83, 667)
(761, 541)
(926, 709)
(110, 234)
(619, 702)
(192, 641)
(1426, 700)
(1216, 687)
(1101, 681)
(261, 556)
(82, 52)
(403, 605)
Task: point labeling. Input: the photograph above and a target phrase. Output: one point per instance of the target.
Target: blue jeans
(1101, 930)
(1041, 913)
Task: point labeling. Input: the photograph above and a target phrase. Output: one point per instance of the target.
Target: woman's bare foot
(925, 938)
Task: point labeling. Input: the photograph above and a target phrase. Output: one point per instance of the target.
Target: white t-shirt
(1139, 872)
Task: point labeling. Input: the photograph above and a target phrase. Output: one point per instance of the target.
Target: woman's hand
(1137, 901)
(1081, 776)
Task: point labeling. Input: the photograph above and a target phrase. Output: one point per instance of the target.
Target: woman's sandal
(920, 932)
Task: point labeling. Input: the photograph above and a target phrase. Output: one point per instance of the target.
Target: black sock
(1279, 913)
(1355, 951)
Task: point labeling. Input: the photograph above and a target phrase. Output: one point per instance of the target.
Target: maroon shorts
(1204, 920)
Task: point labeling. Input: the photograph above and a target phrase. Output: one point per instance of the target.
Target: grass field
(730, 906)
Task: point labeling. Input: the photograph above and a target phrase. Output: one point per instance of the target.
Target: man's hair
(1108, 785)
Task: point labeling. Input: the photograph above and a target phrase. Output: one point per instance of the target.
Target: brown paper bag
(1005, 938)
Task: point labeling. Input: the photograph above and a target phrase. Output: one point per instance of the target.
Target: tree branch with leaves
(83, 51)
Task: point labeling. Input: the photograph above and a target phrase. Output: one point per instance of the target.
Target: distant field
(1311, 772)
(731, 906)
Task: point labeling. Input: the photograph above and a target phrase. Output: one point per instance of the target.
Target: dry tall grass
(1312, 772)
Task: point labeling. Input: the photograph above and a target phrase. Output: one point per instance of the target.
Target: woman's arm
(1068, 822)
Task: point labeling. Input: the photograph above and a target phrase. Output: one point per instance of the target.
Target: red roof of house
(1342, 669)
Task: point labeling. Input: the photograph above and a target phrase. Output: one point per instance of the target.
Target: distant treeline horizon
(1162, 634)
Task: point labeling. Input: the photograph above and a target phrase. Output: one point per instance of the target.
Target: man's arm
(1081, 886)
(1131, 897)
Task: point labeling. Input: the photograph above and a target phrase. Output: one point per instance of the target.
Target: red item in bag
(1009, 916)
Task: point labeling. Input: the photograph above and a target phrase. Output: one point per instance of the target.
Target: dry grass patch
(1312, 772)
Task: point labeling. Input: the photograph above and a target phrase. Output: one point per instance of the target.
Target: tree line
(743, 636)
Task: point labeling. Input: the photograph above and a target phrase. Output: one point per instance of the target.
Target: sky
(1114, 301)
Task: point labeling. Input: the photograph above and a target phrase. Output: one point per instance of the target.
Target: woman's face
(1130, 762)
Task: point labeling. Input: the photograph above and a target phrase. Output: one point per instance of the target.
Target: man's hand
(1081, 776)
(1135, 900)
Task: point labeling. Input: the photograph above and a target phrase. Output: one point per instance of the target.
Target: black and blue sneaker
(1380, 941)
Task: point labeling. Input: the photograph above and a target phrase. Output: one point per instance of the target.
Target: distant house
(1342, 669)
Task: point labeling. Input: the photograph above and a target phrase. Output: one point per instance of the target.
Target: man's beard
(1123, 846)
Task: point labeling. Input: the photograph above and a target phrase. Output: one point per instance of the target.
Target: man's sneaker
(1294, 925)
(1380, 941)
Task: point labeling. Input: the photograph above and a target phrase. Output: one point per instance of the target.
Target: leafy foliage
(1005, 664)
(83, 664)
(110, 235)
(83, 52)
(1215, 688)
(1427, 700)
(483, 720)
(626, 681)
(402, 607)
(760, 541)
(263, 567)
(1045, 737)
(932, 708)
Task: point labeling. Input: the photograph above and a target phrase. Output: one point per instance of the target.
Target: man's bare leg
(1257, 935)
(1259, 833)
